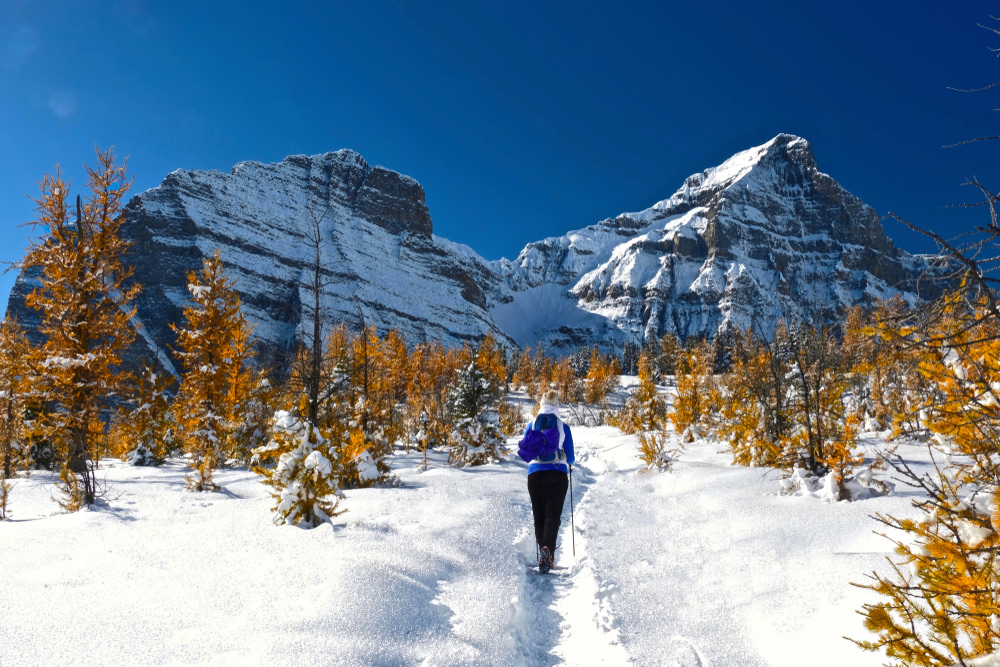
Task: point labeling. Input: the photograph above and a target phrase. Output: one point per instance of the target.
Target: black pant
(547, 489)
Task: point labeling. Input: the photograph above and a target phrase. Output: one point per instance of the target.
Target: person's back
(550, 458)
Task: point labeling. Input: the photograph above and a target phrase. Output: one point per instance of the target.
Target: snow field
(713, 567)
(169, 577)
(705, 565)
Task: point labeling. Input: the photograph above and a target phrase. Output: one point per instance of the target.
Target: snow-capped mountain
(380, 262)
(763, 236)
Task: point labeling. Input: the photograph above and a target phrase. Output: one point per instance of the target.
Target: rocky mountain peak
(380, 262)
(786, 156)
(763, 236)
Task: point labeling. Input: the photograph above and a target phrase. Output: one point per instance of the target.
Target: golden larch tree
(645, 413)
(84, 299)
(602, 378)
(213, 346)
(825, 430)
(940, 604)
(753, 416)
(15, 369)
(697, 397)
(565, 381)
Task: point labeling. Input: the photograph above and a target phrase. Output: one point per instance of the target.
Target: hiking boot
(544, 560)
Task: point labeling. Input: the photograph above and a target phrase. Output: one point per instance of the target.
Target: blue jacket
(567, 445)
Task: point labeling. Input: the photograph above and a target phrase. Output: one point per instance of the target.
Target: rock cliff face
(380, 262)
(763, 236)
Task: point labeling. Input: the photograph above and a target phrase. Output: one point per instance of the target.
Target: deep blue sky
(521, 120)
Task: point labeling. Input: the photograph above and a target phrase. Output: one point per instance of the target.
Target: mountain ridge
(380, 261)
(763, 236)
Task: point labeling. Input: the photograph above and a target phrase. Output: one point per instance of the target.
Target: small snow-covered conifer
(141, 431)
(370, 398)
(304, 475)
(253, 411)
(472, 399)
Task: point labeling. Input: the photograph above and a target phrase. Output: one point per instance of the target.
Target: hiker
(548, 447)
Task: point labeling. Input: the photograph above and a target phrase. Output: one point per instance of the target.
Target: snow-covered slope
(763, 236)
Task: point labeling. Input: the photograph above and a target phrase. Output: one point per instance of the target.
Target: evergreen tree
(472, 399)
(491, 359)
(253, 412)
(308, 463)
(580, 361)
(670, 350)
(304, 477)
(85, 307)
(630, 358)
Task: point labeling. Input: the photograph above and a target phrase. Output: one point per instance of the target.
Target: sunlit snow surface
(705, 565)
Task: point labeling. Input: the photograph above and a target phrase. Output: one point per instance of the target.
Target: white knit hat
(551, 397)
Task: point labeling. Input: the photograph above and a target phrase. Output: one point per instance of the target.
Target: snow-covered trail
(704, 565)
(565, 619)
(433, 572)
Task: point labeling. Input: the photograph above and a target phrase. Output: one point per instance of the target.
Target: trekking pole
(572, 524)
